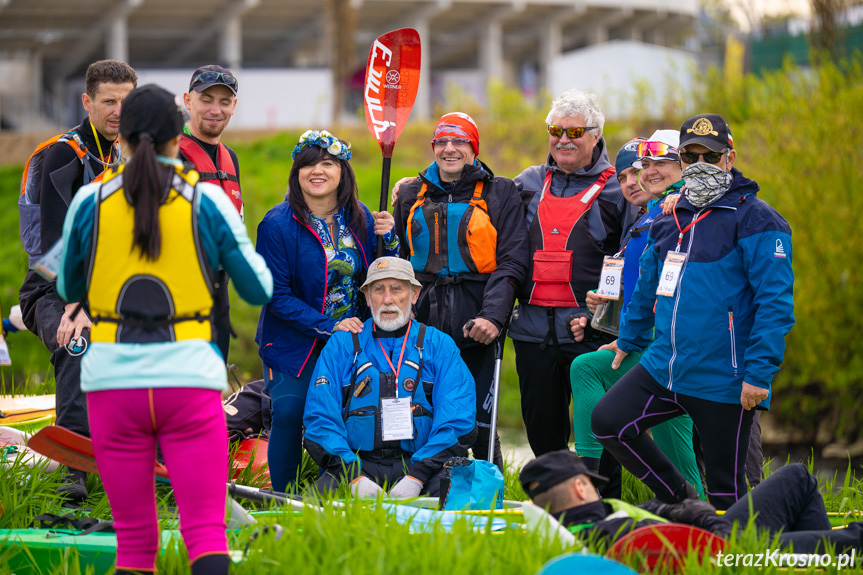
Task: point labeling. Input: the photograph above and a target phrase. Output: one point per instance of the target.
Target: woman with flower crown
(318, 244)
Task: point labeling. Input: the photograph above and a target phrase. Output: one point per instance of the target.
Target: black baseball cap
(213, 75)
(709, 130)
(151, 109)
(550, 469)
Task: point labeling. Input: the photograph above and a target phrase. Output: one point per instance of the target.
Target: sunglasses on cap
(211, 77)
(572, 133)
(709, 157)
(654, 149)
(456, 142)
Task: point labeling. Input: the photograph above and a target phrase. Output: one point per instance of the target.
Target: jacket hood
(598, 163)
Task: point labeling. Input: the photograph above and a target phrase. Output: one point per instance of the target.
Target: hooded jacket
(596, 235)
(733, 304)
(489, 297)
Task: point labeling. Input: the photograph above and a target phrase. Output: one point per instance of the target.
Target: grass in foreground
(360, 540)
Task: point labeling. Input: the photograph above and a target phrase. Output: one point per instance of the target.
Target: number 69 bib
(670, 275)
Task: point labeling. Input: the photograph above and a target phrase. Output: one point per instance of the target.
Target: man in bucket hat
(390, 405)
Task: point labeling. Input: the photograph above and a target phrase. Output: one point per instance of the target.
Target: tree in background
(341, 32)
(825, 32)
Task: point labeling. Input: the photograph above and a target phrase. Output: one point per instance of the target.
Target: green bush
(797, 134)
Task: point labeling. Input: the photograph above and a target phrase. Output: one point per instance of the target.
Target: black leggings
(637, 402)
(788, 502)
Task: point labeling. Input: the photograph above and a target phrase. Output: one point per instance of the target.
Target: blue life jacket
(361, 399)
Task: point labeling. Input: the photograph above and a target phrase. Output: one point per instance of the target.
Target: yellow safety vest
(136, 300)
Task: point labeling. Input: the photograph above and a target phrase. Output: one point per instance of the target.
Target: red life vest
(552, 262)
(224, 175)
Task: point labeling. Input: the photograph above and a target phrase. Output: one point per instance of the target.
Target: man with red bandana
(462, 228)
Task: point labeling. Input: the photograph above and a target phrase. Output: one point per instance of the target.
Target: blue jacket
(733, 304)
(293, 321)
(635, 242)
(443, 427)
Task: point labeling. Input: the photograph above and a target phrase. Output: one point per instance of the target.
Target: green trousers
(591, 376)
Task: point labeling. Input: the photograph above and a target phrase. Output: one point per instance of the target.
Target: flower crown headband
(325, 140)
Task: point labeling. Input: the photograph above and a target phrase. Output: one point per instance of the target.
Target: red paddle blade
(392, 79)
(72, 449)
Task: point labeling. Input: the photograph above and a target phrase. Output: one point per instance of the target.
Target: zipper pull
(449, 201)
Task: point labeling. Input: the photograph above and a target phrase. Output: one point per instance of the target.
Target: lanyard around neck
(401, 357)
(99, 146)
(686, 229)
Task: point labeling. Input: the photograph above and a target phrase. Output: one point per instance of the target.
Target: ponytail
(141, 180)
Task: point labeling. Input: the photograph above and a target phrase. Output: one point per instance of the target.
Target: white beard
(390, 324)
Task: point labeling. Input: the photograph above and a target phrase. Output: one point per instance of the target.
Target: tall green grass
(360, 540)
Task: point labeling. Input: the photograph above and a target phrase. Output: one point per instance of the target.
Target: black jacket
(490, 299)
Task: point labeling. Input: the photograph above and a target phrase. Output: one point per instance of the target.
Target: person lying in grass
(787, 504)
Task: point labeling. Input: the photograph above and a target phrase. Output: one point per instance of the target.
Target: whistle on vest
(363, 387)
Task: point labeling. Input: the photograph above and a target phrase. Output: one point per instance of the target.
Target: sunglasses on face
(572, 133)
(209, 77)
(654, 149)
(709, 157)
(456, 142)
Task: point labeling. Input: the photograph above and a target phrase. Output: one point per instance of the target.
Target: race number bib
(670, 273)
(610, 279)
(397, 421)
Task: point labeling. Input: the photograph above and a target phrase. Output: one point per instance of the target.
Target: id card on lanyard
(397, 420)
(673, 266)
(610, 278)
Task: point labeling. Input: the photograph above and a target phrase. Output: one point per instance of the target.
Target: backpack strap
(421, 198)
(347, 398)
(419, 345)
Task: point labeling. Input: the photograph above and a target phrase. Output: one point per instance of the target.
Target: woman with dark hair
(318, 243)
(142, 247)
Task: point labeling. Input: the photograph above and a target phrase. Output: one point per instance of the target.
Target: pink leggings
(189, 425)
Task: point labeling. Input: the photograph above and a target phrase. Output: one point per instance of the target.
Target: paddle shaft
(385, 186)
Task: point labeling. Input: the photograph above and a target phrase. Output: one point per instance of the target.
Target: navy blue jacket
(733, 304)
(293, 321)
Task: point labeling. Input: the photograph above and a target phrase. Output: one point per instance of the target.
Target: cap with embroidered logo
(709, 130)
(390, 268)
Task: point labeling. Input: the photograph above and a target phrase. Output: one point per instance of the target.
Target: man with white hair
(575, 217)
(390, 405)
